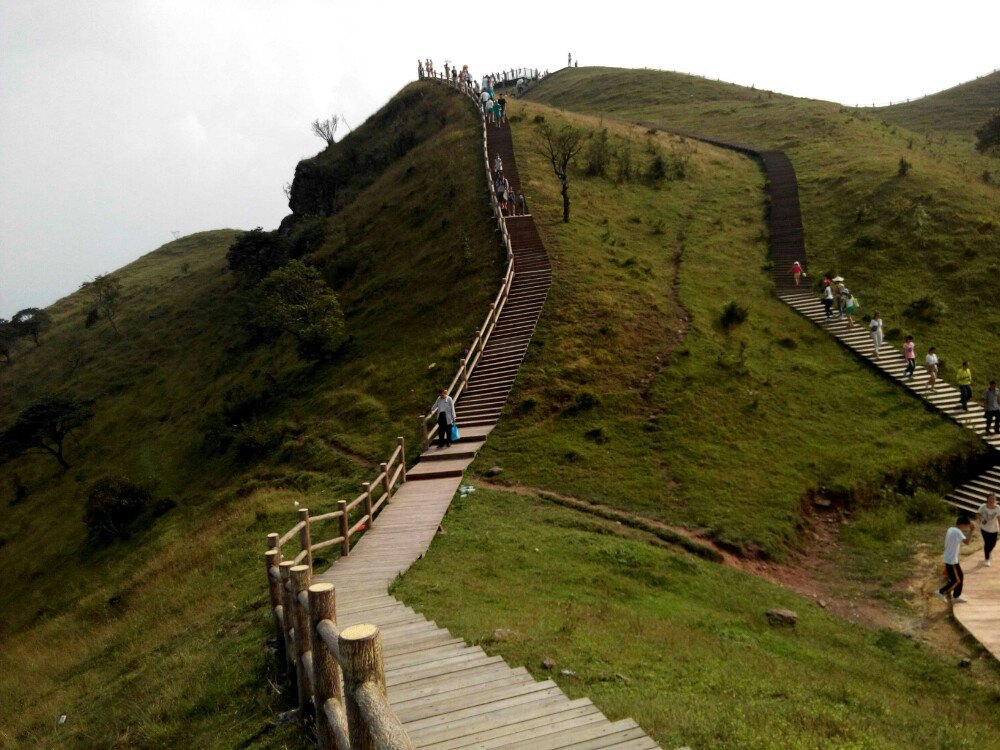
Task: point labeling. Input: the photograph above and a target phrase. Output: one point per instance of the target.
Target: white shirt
(828, 292)
(484, 96)
(444, 405)
(931, 359)
(988, 518)
(875, 325)
(952, 542)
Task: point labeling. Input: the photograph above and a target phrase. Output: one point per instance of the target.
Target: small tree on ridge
(559, 146)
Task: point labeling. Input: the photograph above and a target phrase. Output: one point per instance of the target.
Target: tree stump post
(271, 559)
(384, 468)
(305, 542)
(402, 456)
(326, 669)
(361, 650)
(345, 546)
(288, 608)
(301, 578)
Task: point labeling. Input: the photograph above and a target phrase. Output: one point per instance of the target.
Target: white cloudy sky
(124, 121)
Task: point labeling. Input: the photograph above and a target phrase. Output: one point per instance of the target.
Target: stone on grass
(965, 663)
(548, 662)
(781, 617)
(494, 471)
(503, 634)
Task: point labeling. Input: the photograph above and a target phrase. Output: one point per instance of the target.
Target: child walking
(954, 538)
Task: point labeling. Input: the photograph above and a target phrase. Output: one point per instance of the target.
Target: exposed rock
(503, 634)
(548, 662)
(567, 672)
(965, 663)
(782, 617)
(822, 603)
(494, 471)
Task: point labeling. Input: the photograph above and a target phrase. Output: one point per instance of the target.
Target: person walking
(522, 204)
(875, 326)
(828, 299)
(931, 365)
(444, 407)
(991, 402)
(910, 355)
(988, 516)
(797, 272)
(964, 379)
(954, 538)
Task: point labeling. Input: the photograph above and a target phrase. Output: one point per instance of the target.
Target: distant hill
(229, 429)
(960, 109)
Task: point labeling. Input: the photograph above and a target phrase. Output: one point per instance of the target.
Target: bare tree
(326, 129)
(560, 146)
(104, 294)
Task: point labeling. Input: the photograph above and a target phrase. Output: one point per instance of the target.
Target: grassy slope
(157, 641)
(689, 435)
(681, 645)
(897, 240)
(959, 110)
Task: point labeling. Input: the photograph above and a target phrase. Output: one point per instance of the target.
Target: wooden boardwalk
(448, 694)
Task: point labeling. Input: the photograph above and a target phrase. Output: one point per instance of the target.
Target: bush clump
(732, 315)
(113, 506)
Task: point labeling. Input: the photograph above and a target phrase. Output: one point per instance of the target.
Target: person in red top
(797, 272)
(910, 355)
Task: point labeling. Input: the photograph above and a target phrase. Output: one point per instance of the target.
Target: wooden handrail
(290, 533)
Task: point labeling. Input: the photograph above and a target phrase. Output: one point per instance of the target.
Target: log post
(288, 608)
(384, 468)
(271, 559)
(345, 546)
(305, 543)
(402, 456)
(423, 432)
(272, 543)
(368, 503)
(326, 670)
(301, 578)
(361, 650)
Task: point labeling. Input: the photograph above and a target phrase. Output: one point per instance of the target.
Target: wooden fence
(338, 675)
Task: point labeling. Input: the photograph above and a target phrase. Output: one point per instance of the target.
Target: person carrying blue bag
(444, 407)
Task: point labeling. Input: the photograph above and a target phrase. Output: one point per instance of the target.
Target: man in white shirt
(954, 538)
(988, 516)
(444, 407)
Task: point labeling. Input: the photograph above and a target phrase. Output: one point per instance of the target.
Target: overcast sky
(124, 122)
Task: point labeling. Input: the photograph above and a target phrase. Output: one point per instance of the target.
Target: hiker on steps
(931, 365)
(910, 355)
(875, 326)
(828, 299)
(988, 516)
(964, 379)
(797, 272)
(444, 407)
(954, 538)
(991, 403)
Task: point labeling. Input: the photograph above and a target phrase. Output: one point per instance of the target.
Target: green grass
(899, 241)
(958, 111)
(157, 641)
(727, 430)
(681, 645)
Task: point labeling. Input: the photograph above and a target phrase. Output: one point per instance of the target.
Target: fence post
(423, 432)
(301, 578)
(345, 546)
(305, 541)
(291, 638)
(384, 468)
(361, 651)
(326, 670)
(368, 503)
(272, 543)
(402, 456)
(271, 559)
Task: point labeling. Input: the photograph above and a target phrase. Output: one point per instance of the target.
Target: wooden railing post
(272, 543)
(326, 670)
(305, 542)
(384, 468)
(361, 651)
(345, 546)
(271, 559)
(368, 503)
(402, 456)
(301, 578)
(288, 609)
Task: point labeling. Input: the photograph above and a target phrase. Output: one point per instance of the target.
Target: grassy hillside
(682, 645)
(959, 110)
(920, 248)
(157, 640)
(634, 393)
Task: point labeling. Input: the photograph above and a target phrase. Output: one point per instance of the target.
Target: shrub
(598, 154)
(113, 506)
(296, 299)
(732, 315)
(538, 119)
(255, 254)
(925, 507)
(904, 167)
(926, 309)
(670, 167)
(583, 401)
(988, 136)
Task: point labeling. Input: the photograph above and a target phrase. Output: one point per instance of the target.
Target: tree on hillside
(988, 136)
(43, 427)
(326, 129)
(297, 300)
(255, 254)
(105, 294)
(8, 337)
(30, 322)
(559, 146)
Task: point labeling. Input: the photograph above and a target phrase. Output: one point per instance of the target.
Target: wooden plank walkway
(450, 695)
